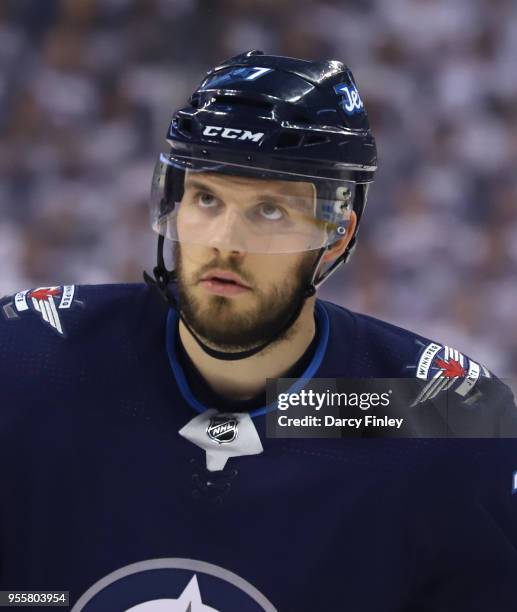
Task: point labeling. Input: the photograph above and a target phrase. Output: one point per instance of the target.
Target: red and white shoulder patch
(48, 303)
(447, 369)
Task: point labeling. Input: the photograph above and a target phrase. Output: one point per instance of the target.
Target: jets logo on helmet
(351, 100)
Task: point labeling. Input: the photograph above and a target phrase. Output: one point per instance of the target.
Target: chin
(223, 309)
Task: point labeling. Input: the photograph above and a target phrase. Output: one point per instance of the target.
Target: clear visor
(239, 208)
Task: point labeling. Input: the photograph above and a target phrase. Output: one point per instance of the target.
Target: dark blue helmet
(266, 112)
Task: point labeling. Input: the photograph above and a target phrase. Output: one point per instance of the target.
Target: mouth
(222, 276)
(221, 282)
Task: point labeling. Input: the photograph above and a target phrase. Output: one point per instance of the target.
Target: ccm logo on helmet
(232, 133)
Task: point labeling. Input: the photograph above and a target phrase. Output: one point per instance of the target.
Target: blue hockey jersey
(101, 496)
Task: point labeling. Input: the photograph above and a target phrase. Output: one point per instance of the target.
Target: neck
(246, 378)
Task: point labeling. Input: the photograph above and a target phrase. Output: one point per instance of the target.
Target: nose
(228, 232)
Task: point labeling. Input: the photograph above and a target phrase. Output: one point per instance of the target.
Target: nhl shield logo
(222, 428)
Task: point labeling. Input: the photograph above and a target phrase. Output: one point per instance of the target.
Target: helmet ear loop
(174, 190)
(335, 264)
(314, 283)
(161, 276)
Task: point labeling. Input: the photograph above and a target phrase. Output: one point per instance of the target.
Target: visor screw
(249, 158)
(204, 151)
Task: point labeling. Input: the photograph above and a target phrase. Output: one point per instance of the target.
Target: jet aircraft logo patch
(446, 369)
(47, 303)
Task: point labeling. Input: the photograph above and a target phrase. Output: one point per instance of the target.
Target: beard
(216, 320)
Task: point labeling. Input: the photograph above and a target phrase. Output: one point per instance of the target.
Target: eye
(206, 200)
(271, 212)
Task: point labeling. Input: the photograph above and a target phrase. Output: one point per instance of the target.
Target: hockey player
(136, 470)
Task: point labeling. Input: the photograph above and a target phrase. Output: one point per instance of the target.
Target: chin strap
(163, 279)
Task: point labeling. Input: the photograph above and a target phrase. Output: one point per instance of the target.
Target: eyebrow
(300, 202)
(197, 184)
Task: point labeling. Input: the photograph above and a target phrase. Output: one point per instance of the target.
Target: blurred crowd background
(87, 88)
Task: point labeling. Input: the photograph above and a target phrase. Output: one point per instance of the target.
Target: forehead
(249, 186)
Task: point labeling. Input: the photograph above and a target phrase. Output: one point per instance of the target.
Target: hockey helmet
(270, 121)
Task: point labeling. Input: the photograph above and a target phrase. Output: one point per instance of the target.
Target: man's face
(235, 299)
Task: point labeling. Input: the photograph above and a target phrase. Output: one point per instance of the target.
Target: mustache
(229, 266)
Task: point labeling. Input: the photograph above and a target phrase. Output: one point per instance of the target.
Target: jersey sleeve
(485, 408)
(467, 543)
